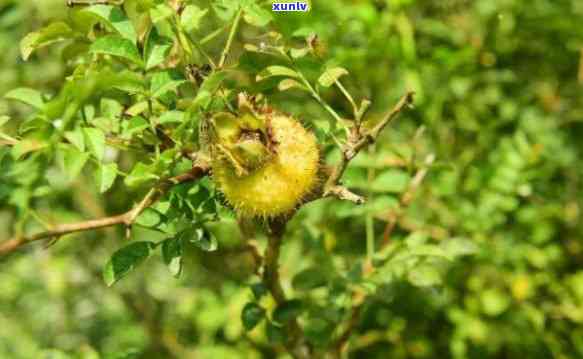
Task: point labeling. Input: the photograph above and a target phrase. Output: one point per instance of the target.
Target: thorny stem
(230, 38)
(127, 218)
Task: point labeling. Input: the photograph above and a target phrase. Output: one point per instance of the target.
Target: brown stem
(358, 142)
(296, 344)
(126, 218)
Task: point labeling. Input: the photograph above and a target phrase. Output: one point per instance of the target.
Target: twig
(406, 198)
(295, 345)
(230, 38)
(358, 141)
(126, 218)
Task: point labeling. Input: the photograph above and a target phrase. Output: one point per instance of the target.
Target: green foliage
(468, 246)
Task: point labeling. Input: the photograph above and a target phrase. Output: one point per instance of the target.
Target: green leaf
(256, 15)
(191, 17)
(287, 311)
(141, 174)
(149, 218)
(309, 279)
(117, 46)
(171, 117)
(226, 9)
(157, 49)
(126, 260)
(251, 315)
(106, 175)
(200, 237)
(160, 13)
(26, 95)
(259, 290)
(424, 276)
(115, 18)
(76, 138)
(55, 32)
(95, 139)
(172, 255)
(4, 119)
(207, 90)
(330, 76)
(73, 161)
(164, 81)
(456, 247)
(289, 84)
(276, 70)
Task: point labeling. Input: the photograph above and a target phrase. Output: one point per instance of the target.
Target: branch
(128, 218)
(355, 144)
(406, 199)
(295, 345)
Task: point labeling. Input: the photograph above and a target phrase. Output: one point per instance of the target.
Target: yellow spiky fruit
(282, 182)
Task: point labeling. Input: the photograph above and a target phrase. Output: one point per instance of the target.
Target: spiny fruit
(264, 162)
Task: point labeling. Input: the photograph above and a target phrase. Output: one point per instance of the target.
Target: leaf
(330, 76)
(459, 247)
(160, 13)
(299, 53)
(289, 84)
(117, 46)
(171, 117)
(191, 17)
(115, 18)
(287, 311)
(4, 119)
(200, 237)
(157, 49)
(276, 70)
(55, 32)
(256, 15)
(73, 161)
(207, 89)
(76, 138)
(126, 260)
(95, 139)
(26, 95)
(226, 9)
(309, 279)
(149, 218)
(141, 174)
(106, 175)
(164, 81)
(251, 315)
(424, 276)
(172, 255)
(259, 290)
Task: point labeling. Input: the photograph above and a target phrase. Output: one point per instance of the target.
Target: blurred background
(499, 104)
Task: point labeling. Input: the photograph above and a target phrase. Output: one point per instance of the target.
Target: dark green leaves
(287, 311)
(252, 315)
(172, 255)
(117, 46)
(126, 260)
(200, 237)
